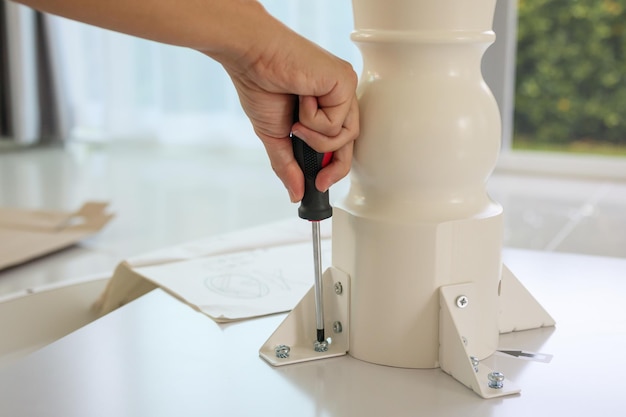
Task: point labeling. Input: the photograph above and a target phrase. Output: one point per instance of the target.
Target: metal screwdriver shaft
(317, 260)
(314, 207)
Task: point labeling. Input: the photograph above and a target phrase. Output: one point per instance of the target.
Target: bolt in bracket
(455, 356)
(298, 330)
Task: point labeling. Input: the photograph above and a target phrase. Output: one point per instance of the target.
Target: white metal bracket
(519, 310)
(294, 339)
(457, 330)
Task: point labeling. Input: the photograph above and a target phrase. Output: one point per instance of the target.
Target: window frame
(499, 72)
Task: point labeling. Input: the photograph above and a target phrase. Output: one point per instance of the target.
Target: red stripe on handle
(328, 156)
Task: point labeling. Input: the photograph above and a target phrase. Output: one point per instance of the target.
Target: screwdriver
(314, 207)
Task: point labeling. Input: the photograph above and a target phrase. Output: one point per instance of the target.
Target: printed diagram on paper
(243, 284)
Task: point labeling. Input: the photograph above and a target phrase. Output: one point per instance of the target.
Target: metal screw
(462, 301)
(496, 380)
(337, 327)
(282, 351)
(320, 346)
(475, 363)
(464, 340)
(338, 288)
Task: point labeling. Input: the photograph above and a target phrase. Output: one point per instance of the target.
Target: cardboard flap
(124, 286)
(28, 234)
(91, 216)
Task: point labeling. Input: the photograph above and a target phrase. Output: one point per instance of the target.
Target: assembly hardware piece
(282, 351)
(496, 380)
(337, 327)
(462, 301)
(457, 329)
(321, 346)
(297, 330)
(475, 363)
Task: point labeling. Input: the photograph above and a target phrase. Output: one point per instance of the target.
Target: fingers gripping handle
(315, 204)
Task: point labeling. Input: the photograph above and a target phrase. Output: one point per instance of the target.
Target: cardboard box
(29, 234)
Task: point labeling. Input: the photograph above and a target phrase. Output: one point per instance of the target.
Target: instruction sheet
(243, 284)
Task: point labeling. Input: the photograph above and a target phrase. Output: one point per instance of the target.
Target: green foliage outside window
(571, 75)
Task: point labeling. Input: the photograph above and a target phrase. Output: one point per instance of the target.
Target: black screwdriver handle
(315, 205)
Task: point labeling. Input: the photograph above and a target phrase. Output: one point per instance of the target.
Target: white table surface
(158, 357)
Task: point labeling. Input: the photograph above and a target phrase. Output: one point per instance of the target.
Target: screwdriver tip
(320, 335)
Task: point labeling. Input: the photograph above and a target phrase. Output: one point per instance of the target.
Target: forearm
(223, 29)
(270, 66)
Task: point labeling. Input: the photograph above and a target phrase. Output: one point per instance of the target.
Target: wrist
(243, 37)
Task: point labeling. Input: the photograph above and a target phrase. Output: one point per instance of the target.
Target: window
(499, 68)
(122, 87)
(571, 76)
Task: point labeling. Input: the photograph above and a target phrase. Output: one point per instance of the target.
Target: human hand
(285, 68)
(270, 65)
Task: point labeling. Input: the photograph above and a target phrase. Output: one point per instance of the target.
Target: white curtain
(32, 99)
(122, 87)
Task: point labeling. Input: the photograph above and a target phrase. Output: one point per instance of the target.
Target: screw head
(475, 362)
(338, 288)
(496, 380)
(462, 301)
(321, 346)
(337, 327)
(282, 351)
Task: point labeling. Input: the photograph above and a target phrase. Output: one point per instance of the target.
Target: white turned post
(417, 215)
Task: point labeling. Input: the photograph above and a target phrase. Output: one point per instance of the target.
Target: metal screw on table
(282, 351)
(496, 380)
(462, 301)
(338, 288)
